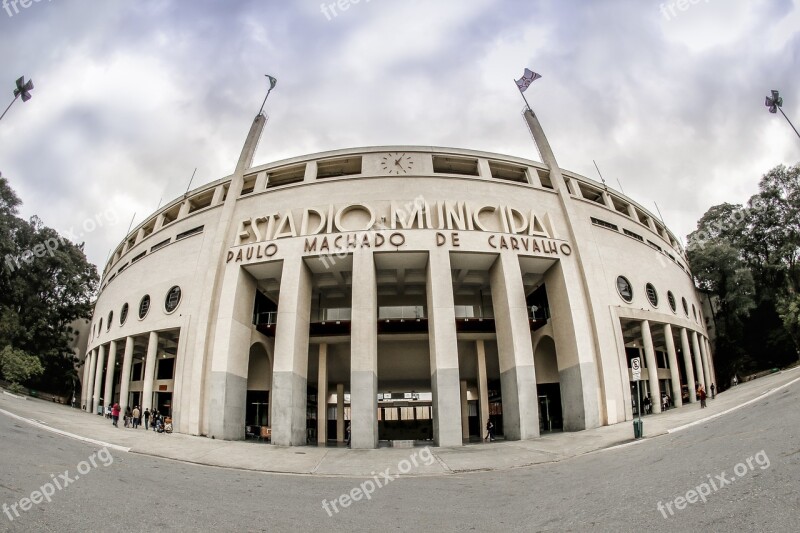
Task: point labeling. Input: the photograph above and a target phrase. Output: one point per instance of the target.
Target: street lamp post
(775, 103)
(22, 89)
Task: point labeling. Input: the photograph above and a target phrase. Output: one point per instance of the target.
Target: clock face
(397, 163)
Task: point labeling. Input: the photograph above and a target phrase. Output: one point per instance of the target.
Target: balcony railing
(335, 313)
(265, 317)
(401, 312)
(473, 311)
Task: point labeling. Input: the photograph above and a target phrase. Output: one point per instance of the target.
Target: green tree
(17, 366)
(42, 291)
(719, 269)
(749, 257)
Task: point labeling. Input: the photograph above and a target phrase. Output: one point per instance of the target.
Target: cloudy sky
(131, 97)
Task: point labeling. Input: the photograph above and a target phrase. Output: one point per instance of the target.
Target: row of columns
(702, 364)
(322, 398)
(93, 375)
(517, 375)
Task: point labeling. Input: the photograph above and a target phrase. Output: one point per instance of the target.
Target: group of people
(666, 401)
(133, 418)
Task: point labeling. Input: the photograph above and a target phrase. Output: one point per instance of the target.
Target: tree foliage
(748, 257)
(46, 283)
(18, 366)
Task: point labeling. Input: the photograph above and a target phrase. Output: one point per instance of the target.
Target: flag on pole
(272, 81)
(24, 89)
(527, 78)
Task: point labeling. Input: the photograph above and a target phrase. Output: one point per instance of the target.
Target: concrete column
(577, 365)
(322, 395)
(698, 361)
(87, 362)
(98, 377)
(108, 394)
(90, 383)
(447, 430)
(464, 411)
(219, 191)
(311, 172)
(261, 181)
(230, 356)
(290, 377)
(533, 177)
(340, 412)
(149, 371)
(675, 376)
(706, 369)
(517, 374)
(364, 353)
(184, 210)
(125, 374)
(607, 200)
(652, 367)
(484, 170)
(688, 366)
(483, 387)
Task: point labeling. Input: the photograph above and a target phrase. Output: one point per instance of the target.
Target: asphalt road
(612, 490)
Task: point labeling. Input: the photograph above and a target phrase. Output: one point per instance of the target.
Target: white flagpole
(522, 94)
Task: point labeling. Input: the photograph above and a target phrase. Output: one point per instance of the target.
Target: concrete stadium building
(413, 293)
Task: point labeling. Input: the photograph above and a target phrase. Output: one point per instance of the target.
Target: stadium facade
(411, 293)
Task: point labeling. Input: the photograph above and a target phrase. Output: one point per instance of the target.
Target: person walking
(701, 394)
(713, 391)
(489, 431)
(146, 418)
(135, 417)
(115, 415)
(647, 403)
(349, 434)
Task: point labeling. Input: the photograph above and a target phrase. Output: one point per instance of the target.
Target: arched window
(173, 299)
(652, 295)
(144, 306)
(625, 289)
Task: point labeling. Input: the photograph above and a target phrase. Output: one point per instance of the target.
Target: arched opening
(259, 384)
(548, 385)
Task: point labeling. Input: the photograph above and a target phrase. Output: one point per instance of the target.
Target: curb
(65, 433)
(448, 471)
(734, 408)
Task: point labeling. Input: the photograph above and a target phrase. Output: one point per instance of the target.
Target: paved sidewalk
(366, 463)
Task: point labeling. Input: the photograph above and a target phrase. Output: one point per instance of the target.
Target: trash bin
(638, 428)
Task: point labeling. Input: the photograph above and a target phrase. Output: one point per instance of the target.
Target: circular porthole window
(685, 306)
(625, 289)
(144, 306)
(110, 320)
(652, 295)
(672, 304)
(123, 314)
(173, 299)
